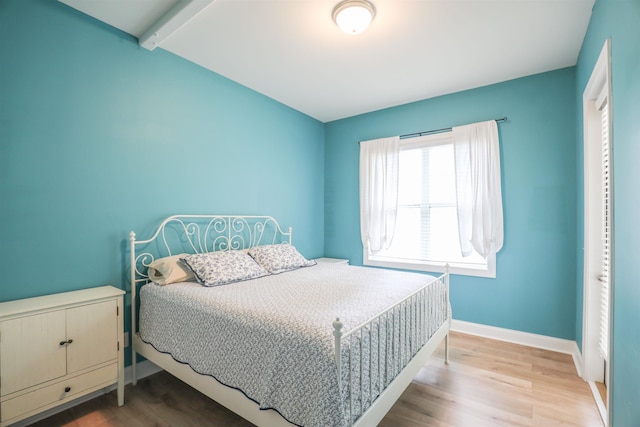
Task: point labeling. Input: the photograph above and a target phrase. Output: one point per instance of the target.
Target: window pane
(444, 233)
(441, 175)
(407, 243)
(410, 178)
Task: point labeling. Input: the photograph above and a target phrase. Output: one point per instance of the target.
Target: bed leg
(446, 349)
(446, 337)
(134, 377)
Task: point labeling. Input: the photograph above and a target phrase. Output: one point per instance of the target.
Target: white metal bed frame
(207, 233)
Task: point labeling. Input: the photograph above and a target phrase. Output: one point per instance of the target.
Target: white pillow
(171, 269)
(223, 267)
(279, 258)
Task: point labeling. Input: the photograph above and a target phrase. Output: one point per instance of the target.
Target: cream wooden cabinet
(56, 348)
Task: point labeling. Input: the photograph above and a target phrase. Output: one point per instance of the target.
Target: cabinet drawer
(55, 394)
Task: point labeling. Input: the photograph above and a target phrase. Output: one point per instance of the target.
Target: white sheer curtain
(479, 194)
(379, 166)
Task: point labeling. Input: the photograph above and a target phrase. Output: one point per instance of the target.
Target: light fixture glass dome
(353, 16)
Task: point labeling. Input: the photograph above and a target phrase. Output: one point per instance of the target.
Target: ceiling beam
(181, 13)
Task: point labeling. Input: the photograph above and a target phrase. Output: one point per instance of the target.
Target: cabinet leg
(121, 387)
(120, 393)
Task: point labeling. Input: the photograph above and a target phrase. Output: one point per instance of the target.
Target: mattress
(271, 337)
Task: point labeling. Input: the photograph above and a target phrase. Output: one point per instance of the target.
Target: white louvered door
(598, 274)
(604, 277)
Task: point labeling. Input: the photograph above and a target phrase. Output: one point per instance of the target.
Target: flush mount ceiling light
(353, 16)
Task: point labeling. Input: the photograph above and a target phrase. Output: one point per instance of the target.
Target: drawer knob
(67, 342)
(67, 389)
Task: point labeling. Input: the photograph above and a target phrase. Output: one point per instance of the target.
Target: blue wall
(535, 286)
(99, 137)
(620, 21)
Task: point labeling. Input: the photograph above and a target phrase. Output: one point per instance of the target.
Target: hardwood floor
(492, 383)
(602, 389)
(487, 383)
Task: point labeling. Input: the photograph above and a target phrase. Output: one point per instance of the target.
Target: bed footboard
(390, 349)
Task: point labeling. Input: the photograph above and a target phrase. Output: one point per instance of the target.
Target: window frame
(430, 265)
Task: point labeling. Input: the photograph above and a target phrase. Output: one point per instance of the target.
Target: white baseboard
(144, 369)
(524, 338)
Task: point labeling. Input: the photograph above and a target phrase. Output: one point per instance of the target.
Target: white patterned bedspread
(271, 337)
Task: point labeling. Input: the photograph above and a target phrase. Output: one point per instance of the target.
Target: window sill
(430, 267)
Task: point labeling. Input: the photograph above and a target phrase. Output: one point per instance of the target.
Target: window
(426, 232)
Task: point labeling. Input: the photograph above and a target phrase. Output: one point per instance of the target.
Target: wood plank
(487, 384)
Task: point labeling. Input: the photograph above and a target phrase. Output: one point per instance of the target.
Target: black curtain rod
(431, 132)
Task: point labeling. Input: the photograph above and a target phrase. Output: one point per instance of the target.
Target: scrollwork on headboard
(203, 233)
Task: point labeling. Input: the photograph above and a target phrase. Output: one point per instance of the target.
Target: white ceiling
(291, 50)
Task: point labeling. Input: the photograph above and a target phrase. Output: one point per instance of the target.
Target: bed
(315, 345)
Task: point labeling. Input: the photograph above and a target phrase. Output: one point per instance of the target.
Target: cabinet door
(94, 331)
(30, 350)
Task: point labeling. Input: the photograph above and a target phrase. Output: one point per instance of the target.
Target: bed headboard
(202, 233)
(198, 234)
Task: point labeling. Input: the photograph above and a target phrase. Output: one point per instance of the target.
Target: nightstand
(332, 260)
